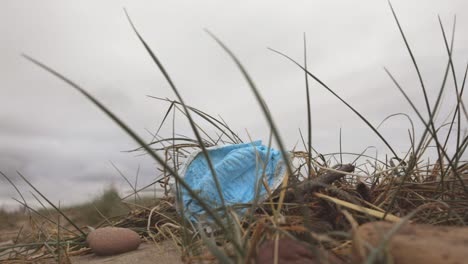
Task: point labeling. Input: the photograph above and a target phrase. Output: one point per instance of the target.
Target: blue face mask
(242, 171)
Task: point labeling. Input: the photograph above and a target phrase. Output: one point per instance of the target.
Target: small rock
(417, 243)
(113, 240)
(292, 251)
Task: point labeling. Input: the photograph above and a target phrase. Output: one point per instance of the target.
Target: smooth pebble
(113, 240)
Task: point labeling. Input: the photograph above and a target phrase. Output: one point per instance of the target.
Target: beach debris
(113, 240)
(242, 170)
(310, 186)
(412, 243)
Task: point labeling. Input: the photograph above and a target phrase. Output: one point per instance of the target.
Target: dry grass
(327, 225)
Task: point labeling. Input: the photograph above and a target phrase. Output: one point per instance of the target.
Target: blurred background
(64, 145)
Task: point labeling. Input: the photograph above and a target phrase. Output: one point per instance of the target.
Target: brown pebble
(113, 240)
(417, 243)
(292, 251)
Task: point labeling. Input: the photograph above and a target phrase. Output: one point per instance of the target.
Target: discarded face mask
(239, 169)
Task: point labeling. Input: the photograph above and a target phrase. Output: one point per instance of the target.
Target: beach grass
(308, 206)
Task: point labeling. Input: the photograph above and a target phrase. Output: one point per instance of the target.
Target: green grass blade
(135, 137)
(187, 112)
(125, 178)
(341, 149)
(259, 99)
(426, 100)
(14, 186)
(42, 216)
(210, 119)
(273, 127)
(458, 94)
(52, 204)
(309, 112)
(41, 203)
(413, 59)
(343, 101)
(427, 130)
(162, 122)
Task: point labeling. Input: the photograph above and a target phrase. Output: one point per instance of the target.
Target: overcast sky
(63, 144)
